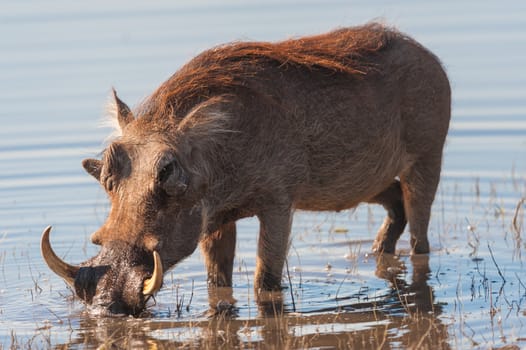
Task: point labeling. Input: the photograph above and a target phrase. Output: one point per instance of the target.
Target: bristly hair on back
(346, 50)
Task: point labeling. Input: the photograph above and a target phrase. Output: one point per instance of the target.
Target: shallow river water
(59, 60)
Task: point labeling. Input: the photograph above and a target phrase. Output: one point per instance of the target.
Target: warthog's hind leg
(419, 185)
(394, 224)
(219, 249)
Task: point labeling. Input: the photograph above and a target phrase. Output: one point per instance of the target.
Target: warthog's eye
(172, 178)
(166, 172)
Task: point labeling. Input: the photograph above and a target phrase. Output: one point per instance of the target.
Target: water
(60, 59)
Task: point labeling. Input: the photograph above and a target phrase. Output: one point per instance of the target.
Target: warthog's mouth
(69, 274)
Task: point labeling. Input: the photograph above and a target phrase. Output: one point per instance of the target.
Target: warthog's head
(153, 222)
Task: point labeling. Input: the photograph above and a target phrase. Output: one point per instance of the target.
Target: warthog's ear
(93, 167)
(172, 177)
(124, 114)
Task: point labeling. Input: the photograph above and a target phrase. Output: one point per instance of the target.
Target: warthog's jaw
(72, 275)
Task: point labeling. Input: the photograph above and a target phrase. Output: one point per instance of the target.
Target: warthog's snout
(112, 283)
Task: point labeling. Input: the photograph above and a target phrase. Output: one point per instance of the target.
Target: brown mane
(345, 50)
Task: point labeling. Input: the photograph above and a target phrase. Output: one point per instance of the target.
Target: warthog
(260, 129)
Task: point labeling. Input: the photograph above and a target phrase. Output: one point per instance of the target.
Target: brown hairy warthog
(253, 128)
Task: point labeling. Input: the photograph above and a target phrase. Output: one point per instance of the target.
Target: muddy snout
(111, 290)
(117, 281)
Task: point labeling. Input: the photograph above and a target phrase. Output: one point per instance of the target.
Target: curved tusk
(57, 265)
(153, 284)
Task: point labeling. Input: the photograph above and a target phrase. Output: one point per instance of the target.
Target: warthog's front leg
(273, 245)
(219, 249)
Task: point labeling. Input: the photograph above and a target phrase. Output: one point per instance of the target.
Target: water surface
(60, 59)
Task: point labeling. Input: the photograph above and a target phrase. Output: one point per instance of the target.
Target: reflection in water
(271, 304)
(424, 328)
(415, 297)
(406, 317)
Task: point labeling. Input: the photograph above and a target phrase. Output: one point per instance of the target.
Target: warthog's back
(330, 119)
